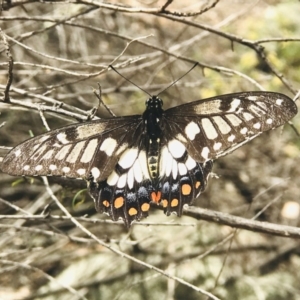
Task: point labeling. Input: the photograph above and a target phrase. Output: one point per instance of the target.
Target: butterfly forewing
(216, 126)
(88, 150)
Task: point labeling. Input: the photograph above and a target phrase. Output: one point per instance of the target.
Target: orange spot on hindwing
(132, 211)
(105, 203)
(145, 207)
(174, 202)
(197, 184)
(186, 189)
(165, 202)
(119, 202)
(156, 196)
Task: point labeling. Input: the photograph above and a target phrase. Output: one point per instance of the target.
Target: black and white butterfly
(162, 156)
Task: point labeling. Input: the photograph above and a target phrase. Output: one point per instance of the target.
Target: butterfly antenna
(129, 80)
(174, 82)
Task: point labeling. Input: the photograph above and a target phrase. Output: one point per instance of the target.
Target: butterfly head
(154, 103)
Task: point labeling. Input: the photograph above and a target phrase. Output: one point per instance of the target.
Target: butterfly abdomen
(153, 157)
(153, 133)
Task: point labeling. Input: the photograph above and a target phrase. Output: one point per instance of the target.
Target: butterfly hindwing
(129, 190)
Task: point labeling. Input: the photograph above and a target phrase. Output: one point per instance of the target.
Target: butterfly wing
(216, 126)
(111, 154)
(89, 150)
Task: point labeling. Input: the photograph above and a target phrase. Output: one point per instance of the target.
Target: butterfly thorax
(153, 133)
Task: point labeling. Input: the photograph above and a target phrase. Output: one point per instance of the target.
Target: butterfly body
(162, 156)
(153, 133)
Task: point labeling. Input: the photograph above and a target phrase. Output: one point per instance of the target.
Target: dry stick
(189, 14)
(239, 222)
(10, 67)
(120, 253)
(126, 47)
(100, 101)
(269, 40)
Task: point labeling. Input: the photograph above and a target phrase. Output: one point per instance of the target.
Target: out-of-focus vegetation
(61, 51)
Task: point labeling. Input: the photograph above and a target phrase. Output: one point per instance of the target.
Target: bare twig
(10, 67)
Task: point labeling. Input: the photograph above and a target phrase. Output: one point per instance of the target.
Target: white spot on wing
(169, 165)
(234, 105)
(122, 181)
(143, 164)
(231, 138)
(137, 171)
(108, 146)
(176, 148)
(174, 169)
(128, 158)
(234, 120)
(89, 151)
(130, 178)
(209, 129)
(244, 130)
(165, 159)
(182, 169)
(38, 167)
(279, 101)
(88, 130)
(66, 169)
(191, 130)
(26, 168)
(62, 137)
(208, 108)
(121, 149)
(48, 154)
(17, 153)
(95, 172)
(52, 167)
(81, 171)
(247, 116)
(269, 121)
(63, 152)
(112, 179)
(75, 152)
(190, 163)
(217, 146)
(252, 98)
(222, 125)
(257, 125)
(205, 152)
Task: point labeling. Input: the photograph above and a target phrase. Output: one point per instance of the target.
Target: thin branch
(10, 66)
(239, 222)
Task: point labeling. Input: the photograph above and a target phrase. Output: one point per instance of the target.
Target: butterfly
(161, 156)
